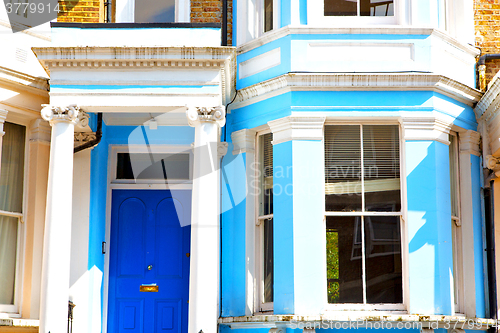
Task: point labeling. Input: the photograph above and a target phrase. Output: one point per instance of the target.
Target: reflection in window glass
(268, 15)
(359, 8)
(344, 259)
(268, 261)
(153, 11)
(152, 166)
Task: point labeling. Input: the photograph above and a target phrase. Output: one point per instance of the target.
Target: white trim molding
(469, 142)
(297, 128)
(427, 128)
(243, 141)
(356, 82)
(3, 116)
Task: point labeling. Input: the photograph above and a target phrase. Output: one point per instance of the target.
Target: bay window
(363, 214)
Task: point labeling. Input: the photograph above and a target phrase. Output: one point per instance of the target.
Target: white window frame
(125, 11)
(261, 17)
(260, 305)
(457, 242)
(402, 213)
(316, 17)
(14, 310)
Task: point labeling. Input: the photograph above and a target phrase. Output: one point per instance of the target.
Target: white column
(204, 270)
(57, 236)
(3, 116)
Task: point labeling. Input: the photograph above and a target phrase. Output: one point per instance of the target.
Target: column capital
(243, 141)
(469, 142)
(297, 128)
(71, 113)
(427, 128)
(197, 114)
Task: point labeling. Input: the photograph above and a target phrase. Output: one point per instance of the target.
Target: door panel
(148, 246)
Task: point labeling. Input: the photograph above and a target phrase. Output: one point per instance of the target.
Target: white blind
(343, 158)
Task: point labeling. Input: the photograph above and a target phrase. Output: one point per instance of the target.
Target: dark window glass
(266, 164)
(268, 15)
(154, 11)
(344, 259)
(152, 166)
(341, 8)
(383, 259)
(268, 261)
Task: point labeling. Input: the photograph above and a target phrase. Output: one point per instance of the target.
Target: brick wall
(210, 11)
(487, 29)
(86, 11)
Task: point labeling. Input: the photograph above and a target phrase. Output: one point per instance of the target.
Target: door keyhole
(150, 267)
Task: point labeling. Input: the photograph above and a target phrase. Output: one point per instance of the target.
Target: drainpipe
(224, 22)
(481, 67)
(108, 11)
(98, 135)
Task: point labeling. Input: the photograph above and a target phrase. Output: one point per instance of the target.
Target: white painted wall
(79, 274)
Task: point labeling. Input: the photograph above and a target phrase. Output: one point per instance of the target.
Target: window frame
(260, 305)
(316, 9)
(456, 229)
(261, 17)
(14, 310)
(127, 14)
(402, 214)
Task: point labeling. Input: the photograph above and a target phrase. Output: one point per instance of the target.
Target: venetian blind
(381, 157)
(343, 158)
(267, 159)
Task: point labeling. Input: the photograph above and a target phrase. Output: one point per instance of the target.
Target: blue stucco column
(471, 224)
(299, 231)
(428, 219)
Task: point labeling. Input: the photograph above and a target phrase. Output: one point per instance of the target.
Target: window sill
(359, 318)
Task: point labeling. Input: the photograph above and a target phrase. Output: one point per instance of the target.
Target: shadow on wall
(429, 228)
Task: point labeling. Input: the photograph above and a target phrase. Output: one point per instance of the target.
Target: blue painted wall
(429, 227)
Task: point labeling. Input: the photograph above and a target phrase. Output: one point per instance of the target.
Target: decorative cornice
(297, 128)
(197, 114)
(39, 131)
(71, 113)
(487, 107)
(243, 141)
(353, 81)
(366, 30)
(427, 128)
(3, 116)
(469, 142)
(222, 149)
(36, 85)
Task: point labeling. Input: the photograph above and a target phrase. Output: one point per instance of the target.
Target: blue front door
(149, 262)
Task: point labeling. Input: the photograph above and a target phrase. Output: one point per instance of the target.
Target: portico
(159, 103)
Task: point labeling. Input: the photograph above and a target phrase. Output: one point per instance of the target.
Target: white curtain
(11, 200)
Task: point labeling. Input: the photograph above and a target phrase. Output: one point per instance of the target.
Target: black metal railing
(71, 305)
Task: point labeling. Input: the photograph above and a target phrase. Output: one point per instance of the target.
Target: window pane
(154, 11)
(343, 168)
(152, 166)
(12, 169)
(268, 261)
(383, 259)
(266, 173)
(344, 259)
(8, 250)
(341, 8)
(268, 15)
(376, 8)
(381, 168)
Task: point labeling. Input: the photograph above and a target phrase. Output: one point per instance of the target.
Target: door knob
(150, 267)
